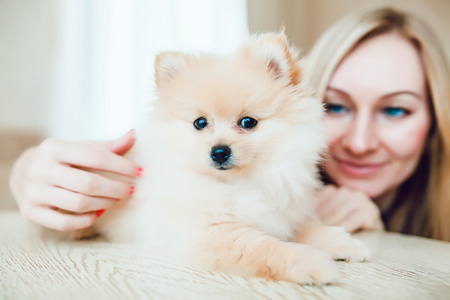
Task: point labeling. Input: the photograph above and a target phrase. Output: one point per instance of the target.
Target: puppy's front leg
(247, 251)
(333, 240)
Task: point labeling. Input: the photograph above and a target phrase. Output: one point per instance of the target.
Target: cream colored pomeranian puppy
(230, 153)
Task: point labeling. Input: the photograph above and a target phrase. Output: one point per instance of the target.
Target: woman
(414, 200)
(386, 87)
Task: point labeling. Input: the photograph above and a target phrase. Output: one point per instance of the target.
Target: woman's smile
(359, 169)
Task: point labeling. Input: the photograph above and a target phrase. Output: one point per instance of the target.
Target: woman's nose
(361, 137)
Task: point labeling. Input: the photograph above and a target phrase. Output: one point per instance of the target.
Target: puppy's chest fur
(169, 216)
(274, 211)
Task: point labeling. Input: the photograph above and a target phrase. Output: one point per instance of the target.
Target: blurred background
(82, 69)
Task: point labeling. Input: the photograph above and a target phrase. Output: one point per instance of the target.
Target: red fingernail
(131, 190)
(139, 172)
(100, 212)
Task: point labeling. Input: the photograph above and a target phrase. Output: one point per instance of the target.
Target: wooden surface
(35, 264)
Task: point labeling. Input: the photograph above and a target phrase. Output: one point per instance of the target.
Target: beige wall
(27, 44)
(28, 39)
(305, 20)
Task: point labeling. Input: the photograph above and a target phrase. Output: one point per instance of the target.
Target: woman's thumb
(123, 144)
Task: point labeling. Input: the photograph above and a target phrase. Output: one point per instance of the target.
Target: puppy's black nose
(220, 154)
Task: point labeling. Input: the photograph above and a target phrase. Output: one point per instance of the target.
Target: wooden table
(36, 264)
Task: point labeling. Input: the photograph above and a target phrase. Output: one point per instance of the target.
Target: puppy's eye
(248, 123)
(200, 123)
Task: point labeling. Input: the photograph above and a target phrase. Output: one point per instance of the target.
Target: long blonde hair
(422, 206)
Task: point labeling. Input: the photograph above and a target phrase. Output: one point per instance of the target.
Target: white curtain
(104, 69)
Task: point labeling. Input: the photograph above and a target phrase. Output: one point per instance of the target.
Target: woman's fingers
(79, 155)
(340, 214)
(326, 193)
(353, 222)
(84, 182)
(341, 204)
(123, 144)
(78, 181)
(330, 202)
(67, 200)
(347, 208)
(361, 220)
(57, 220)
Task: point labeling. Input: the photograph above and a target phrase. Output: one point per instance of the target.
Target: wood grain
(36, 264)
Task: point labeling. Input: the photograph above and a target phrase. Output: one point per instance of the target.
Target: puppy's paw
(316, 269)
(346, 248)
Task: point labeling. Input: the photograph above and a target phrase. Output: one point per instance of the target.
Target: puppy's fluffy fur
(251, 211)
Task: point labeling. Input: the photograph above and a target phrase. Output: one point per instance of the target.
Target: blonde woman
(385, 83)
(389, 148)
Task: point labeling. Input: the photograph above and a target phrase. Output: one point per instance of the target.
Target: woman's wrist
(18, 173)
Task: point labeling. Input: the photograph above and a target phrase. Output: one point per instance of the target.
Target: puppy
(230, 154)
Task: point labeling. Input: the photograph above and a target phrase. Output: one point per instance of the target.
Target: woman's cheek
(335, 129)
(406, 139)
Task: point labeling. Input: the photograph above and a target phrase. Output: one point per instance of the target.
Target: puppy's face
(231, 114)
(225, 149)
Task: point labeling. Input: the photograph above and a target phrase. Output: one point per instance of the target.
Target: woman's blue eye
(335, 108)
(200, 123)
(248, 123)
(395, 112)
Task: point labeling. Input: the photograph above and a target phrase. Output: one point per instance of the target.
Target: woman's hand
(353, 210)
(54, 176)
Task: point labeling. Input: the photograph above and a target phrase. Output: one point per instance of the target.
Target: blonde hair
(422, 206)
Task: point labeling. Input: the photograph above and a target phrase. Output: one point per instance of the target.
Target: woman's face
(378, 115)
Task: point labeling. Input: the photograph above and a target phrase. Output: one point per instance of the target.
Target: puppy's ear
(279, 58)
(167, 66)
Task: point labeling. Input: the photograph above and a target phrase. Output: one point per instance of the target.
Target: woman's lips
(359, 169)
